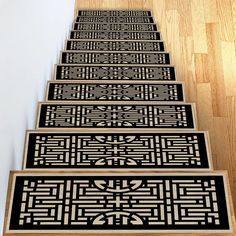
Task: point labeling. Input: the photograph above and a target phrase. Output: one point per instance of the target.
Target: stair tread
(117, 13)
(115, 19)
(113, 57)
(115, 26)
(167, 202)
(126, 150)
(75, 91)
(114, 72)
(133, 35)
(116, 115)
(108, 45)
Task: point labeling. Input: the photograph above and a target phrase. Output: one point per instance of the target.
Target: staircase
(116, 147)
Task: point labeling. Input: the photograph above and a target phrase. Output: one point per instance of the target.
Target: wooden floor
(201, 37)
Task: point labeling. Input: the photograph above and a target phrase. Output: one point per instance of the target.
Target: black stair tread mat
(95, 45)
(108, 72)
(121, 91)
(116, 13)
(130, 150)
(116, 115)
(114, 27)
(114, 19)
(63, 202)
(113, 57)
(117, 35)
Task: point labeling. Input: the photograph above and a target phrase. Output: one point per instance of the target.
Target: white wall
(32, 33)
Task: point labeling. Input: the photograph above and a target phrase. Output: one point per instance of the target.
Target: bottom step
(118, 203)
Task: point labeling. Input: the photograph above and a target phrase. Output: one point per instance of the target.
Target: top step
(120, 13)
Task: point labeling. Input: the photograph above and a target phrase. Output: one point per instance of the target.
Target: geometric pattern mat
(117, 35)
(118, 13)
(115, 91)
(107, 72)
(79, 45)
(107, 19)
(71, 57)
(71, 150)
(102, 115)
(60, 202)
(114, 27)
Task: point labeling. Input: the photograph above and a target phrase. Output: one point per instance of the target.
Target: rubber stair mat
(114, 27)
(113, 57)
(119, 203)
(95, 45)
(120, 72)
(116, 35)
(173, 151)
(112, 13)
(116, 115)
(114, 19)
(115, 91)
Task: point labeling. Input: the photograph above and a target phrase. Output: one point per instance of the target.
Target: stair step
(119, 203)
(114, 19)
(115, 91)
(114, 27)
(116, 13)
(118, 35)
(108, 45)
(120, 72)
(116, 115)
(121, 150)
(113, 57)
